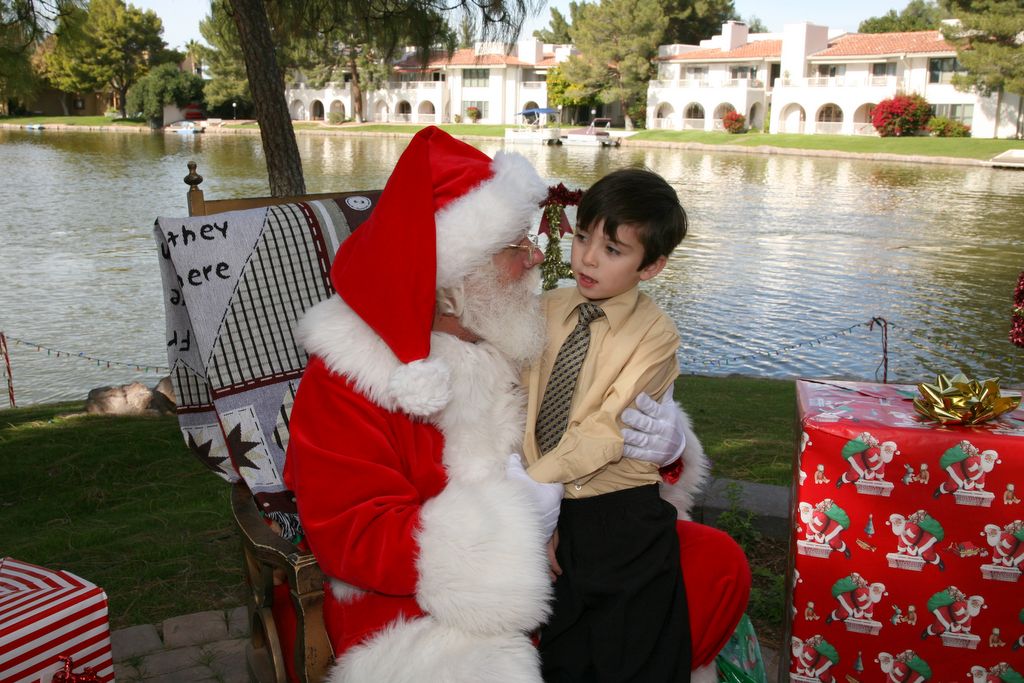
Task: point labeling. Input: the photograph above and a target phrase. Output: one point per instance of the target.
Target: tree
(500, 18)
(557, 32)
(918, 15)
(691, 21)
(24, 24)
(617, 40)
(467, 30)
(163, 85)
(755, 25)
(558, 94)
(228, 84)
(111, 46)
(989, 44)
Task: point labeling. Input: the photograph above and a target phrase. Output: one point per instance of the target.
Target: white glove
(657, 434)
(547, 498)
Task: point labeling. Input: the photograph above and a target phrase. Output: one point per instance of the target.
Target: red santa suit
(399, 439)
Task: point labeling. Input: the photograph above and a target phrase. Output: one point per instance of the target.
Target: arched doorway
(862, 124)
(316, 110)
(663, 116)
(693, 117)
(297, 110)
(792, 119)
(829, 119)
(531, 118)
(337, 111)
(403, 112)
(755, 119)
(380, 111)
(426, 113)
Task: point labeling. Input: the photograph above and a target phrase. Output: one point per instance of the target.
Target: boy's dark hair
(637, 197)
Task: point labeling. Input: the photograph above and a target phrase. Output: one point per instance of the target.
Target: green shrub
(942, 127)
(335, 117)
(735, 122)
(901, 115)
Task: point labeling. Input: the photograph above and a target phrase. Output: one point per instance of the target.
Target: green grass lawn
(120, 502)
(71, 121)
(968, 148)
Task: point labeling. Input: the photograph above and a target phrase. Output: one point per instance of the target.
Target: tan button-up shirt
(632, 350)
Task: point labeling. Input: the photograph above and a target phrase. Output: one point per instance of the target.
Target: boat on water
(34, 126)
(185, 128)
(594, 135)
(530, 128)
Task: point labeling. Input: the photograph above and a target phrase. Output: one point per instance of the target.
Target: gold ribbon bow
(963, 401)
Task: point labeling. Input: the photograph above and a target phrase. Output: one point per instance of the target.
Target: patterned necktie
(553, 416)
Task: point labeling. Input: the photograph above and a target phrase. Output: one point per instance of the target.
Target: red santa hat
(446, 209)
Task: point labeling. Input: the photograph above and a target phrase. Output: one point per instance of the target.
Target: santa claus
(404, 421)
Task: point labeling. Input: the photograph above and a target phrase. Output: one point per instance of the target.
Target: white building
(497, 82)
(816, 81)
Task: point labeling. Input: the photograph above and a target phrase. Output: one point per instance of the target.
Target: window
(883, 69)
(742, 72)
(479, 104)
(831, 70)
(963, 113)
(941, 70)
(476, 78)
(696, 72)
(534, 76)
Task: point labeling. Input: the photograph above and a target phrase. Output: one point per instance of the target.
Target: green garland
(554, 268)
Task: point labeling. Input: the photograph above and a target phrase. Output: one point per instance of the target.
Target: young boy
(620, 607)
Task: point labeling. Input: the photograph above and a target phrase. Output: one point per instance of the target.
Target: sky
(181, 17)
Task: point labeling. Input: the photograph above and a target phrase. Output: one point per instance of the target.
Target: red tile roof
(464, 57)
(757, 49)
(869, 44)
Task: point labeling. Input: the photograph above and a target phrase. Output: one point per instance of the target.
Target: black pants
(620, 606)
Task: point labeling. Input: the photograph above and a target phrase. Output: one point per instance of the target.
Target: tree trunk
(357, 92)
(266, 83)
(64, 103)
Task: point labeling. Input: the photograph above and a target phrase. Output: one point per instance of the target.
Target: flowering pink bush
(734, 122)
(901, 115)
(1017, 320)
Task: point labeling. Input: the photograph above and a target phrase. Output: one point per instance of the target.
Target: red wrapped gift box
(46, 614)
(908, 542)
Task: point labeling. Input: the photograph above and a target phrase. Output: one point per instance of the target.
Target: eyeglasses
(528, 243)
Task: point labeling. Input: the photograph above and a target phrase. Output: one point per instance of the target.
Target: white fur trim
(424, 650)
(482, 563)
(421, 387)
(349, 347)
(696, 469)
(476, 225)
(344, 592)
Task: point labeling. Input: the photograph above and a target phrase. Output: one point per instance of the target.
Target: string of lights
(100, 362)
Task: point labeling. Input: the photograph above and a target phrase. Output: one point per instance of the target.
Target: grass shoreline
(924, 149)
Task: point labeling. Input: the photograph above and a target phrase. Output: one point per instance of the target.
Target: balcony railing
(891, 82)
(662, 124)
(413, 85)
(693, 124)
(686, 83)
(534, 85)
(828, 127)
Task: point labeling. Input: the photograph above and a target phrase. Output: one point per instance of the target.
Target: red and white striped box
(45, 614)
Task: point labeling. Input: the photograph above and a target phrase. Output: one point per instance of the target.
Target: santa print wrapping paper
(45, 614)
(908, 543)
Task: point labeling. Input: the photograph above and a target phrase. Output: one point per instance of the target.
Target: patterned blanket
(234, 285)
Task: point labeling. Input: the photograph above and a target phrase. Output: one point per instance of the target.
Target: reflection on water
(785, 253)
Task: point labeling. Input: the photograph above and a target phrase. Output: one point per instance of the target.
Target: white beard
(505, 314)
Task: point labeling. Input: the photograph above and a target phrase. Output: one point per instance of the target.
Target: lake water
(786, 261)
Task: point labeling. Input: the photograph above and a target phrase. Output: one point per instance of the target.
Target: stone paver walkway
(205, 647)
